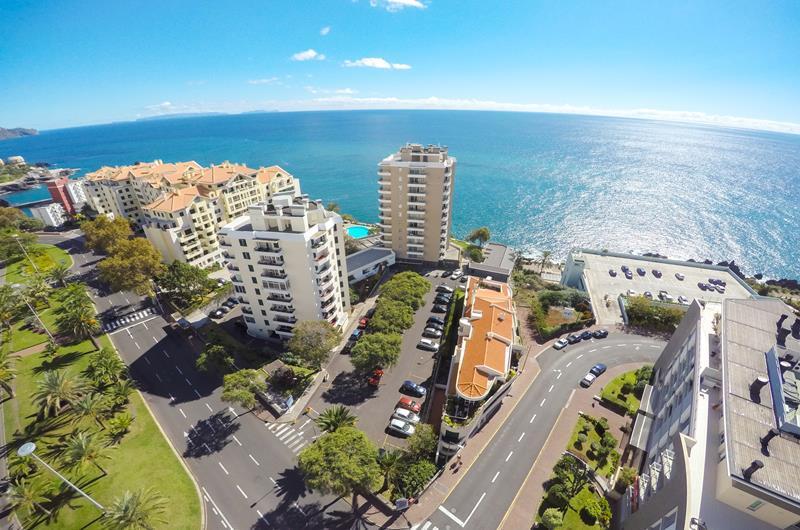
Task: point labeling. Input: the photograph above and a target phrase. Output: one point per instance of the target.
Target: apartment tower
(288, 265)
(415, 196)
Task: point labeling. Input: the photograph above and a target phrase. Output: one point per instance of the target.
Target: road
(486, 492)
(244, 467)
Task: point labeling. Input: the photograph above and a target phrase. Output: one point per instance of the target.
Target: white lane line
(579, 356)
(297, 449)
(209, 407)
(261, 516)
(495, 477)
(187, 381)
(654, 346)
(281, 428)
(593, 350)
(569, 364)
(622, 345)
(207, 447)
(137, 345)
(253, 459)
(235, 439)
(196, 392)
(179, 370)
(509, 456)
(182, 413)
(532, 418)
(298, 507)
(166, 354)
(558, 376)
(551, 388)
(214, 504)
(154, 339)
(147, 361)
(292, 439)
(145, 327)
(159, 377)
(273, 481)
(606, 347)
(241, 491)
(303, 426)
(223, 468)
(542, 403)
(286, 435)
(520, 437)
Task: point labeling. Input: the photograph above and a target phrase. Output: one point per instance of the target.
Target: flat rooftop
(496, 258)
(368, 256)
(601, 286)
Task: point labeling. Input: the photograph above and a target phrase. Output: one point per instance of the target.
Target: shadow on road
(210, 435)
(348, 388)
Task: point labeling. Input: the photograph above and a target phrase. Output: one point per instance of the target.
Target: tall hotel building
(287, 263)
(415, 196)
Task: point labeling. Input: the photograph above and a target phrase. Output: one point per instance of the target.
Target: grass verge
(613, 392)
(44, 256)
(584, 449)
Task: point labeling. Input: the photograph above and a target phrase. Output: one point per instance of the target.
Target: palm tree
(545, 260)
(27, 495)
(9, 305)
(121, 391)
(84, 449)
(59, 274)
(7, 372)
(141, 510)
(37, 290)
(335, 417)
(391, 464)
(51, 350)
(80, 321)
(55, 390)
(91, 405)
(75, 294)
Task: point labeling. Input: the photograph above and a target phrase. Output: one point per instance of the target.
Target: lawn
(463, 245)
(143, 458)
(572, 519)
(583, 450)
(613, 393)
(555, 316)
(44, 256)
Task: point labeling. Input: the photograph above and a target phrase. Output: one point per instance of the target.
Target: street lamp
(28, 448)
(16, 238)
(27, 303)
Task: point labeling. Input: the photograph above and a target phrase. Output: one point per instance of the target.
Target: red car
(409, 404)
(362, 324)
(375, 378)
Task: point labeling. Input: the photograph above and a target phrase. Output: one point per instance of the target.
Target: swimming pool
(357, 231)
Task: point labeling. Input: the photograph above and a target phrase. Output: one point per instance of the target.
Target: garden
(625, 390)
(556, 310)
(571, 501)
(652, 316)
(593, 442)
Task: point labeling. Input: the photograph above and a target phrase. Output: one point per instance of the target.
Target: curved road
(486, 492)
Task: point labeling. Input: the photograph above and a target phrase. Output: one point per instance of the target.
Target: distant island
(5, 134)
(181, 115)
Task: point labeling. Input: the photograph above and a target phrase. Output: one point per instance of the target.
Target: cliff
(15, 133)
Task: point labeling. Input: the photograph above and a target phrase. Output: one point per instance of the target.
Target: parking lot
(374, 407)
(604, 288)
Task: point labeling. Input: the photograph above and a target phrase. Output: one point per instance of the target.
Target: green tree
(84, 448)
(333, 207)
(416, 476)
(407, 287)
(391, 316)
(185, 284)
(12, 243)
(51, 350)
(55, 390)
(103, 234)
(28, 496)
(335, 417)
(7, 371)
(119, 425)
(9, 305)
(350, 245)
(215, 359)
(545, 260)
(376, 350)
(140, 510)
(13, 219)
(121, 391)
(572, 473)
(626, 477)
(241, 387)
(91, 406)
(392, 464)
(558, 495)
(422, 444)
(80, 322)
(105, 367)
(131, 266)
(75, 294)
(479, 235)
(59, 273)
(552, 518)
(342, 462)
(313, 340)
(37, 290)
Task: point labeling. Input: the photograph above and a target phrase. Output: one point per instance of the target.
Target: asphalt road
(244, 467)
(483, 496)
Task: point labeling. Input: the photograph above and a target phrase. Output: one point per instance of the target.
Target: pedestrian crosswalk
(291, 435)
(128, 319)
(427, 525)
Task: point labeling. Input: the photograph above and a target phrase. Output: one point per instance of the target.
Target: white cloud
(340, 91)
(308, 55)
(161, 108)
(265, 81)
(397, 5)
(324, 31)
(376, 62)
(346, 91)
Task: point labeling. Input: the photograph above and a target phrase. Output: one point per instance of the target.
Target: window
(243, 242)
(250, 319)
(258, 291)
(755, 505)
(250, 268)
(246, 255)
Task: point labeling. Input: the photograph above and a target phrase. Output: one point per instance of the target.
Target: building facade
(59, 192)
(52, 215)
(76, 193)
(287, 264)
(415, 202)
(718, 430)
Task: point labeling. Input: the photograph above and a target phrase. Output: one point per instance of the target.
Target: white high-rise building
(288, 265)
(52, 214)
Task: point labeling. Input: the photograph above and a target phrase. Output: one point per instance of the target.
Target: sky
(71, 63)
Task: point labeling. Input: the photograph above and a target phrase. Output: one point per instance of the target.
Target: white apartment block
(288, 265)
(415, 202)
(77, 194)
(52, 214)
(180, 206)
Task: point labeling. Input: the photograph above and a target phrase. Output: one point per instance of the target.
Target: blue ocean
(538, 181)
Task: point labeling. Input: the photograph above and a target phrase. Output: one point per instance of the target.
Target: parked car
(712, 281)
(683, 300)
(436, 320)
(631, 292)
(657, 273)
(720, 289)
(441, 300)
(560, 344)
(442, 288)
(439, 308)
(456, 275)
(625, 268)
(408, 404)
(375, 378)
(370, 313)
(640, 271)
(228, 304)
(428, 344)
(432, 333)
(400, 427)
(233, 300)
(224, 308)
(362, 323)
(445, 296)
(600, 333)
(679, 276)
(588, 379)
(648, 294)
(356, 334)
(665, 296)
(598, 369)
(434, 325)
(574, 339)
(217, 313)
(701, 285)
(612, 272)
(464, 279)
(586, 335)
(629, 275)
(406, 415)
(412, 388)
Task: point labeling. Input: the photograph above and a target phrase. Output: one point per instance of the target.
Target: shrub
(627, 387)
(601, 426)
(626, 477)
(552, 518)
(118, 426)
(591, 511)
(558, 495)
(581, 439)
(595, 447)
(416, 476)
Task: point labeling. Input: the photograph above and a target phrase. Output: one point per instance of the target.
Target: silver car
(400, 427)
(406, 416)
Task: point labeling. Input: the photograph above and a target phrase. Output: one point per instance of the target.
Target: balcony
(274, 250)
(325, 280)
(384, 208)
(236, 279)
(323, 268)
(271, 262)
(285, 330)
(416, 192)
(384, 200)
(276, 286)
(270, 273)
(287, 298)
(246, 310)
(285, 320)
(232, 267)
(416, 181)
(282, 309)
(382, 173)
(416, 245)
(224, 242)
(321, 255)
(326, 293)
(316, 243)
(414, 201)
(327, 303)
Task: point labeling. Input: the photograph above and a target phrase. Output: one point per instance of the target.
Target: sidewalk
(523, 510)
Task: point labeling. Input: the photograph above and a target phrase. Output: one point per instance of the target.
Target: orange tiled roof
(152, 171)
(174, 201)
(223, 172)
(266, 174)
(485, 354)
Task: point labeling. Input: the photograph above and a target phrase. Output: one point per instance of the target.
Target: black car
(370, 313)
(600, 333)
(574, 339)
(436, 320)
(438, 308)
(441, 300)
(413, 389)
(463, 279)
(434, 325)
(629, 275)
(641, 272)
(657, 273)
(442, 288)
(624, 268)
(701, 285)
(586, 335)
(612, 272)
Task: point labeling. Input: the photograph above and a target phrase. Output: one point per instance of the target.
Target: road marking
(182, 413)
(461, 523)
(495, 477)
(207, 447)
(293, 438)
(253, 459)
(593, 350)
(241, 491)
(606, 347)
(281, 428)
(623, 345)
(542, 403)
(209, 407)
(154, 339)
(427, 524)
(509, 455)
(286, 434)
(520, 437)
(159, 377)
(579, 356)
(166, 354)
(148, 361)
(235, 439)
(273, 481)
(187, 381)
(145, 327)
(137, 345)
(196, 392)
(261, 516)
(297, 449)
(298, 507)
(304, 425)
(179, 370)
(551, 388)
(532, 418)
(214, 504)
(558, 376)
(170, 397)
(223, 468)
(654, 346)
(569, 364)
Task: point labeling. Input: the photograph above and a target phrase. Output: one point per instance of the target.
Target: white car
(432, 332)
(456, 275)
(428, 344)
(631, 292)
(560, 344)
(406, 416)
(444, 289)
(683, 300)
(588, 379)
(400, 427)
